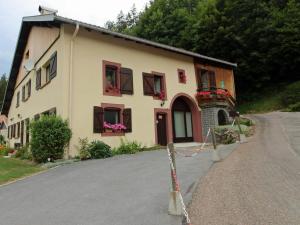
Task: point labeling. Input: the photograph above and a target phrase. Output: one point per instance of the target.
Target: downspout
(71, 79)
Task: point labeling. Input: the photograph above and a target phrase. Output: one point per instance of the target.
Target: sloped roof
(55, 20)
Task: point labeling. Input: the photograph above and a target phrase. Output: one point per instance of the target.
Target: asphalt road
(125, 190)
(259, 183)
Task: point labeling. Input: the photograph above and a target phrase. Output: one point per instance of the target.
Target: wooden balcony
(215, 96)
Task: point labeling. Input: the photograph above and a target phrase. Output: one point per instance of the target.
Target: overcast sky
(92, 11)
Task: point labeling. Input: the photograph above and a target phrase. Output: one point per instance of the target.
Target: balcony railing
(213, 95)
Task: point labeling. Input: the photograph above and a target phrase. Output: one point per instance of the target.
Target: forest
(261, 36)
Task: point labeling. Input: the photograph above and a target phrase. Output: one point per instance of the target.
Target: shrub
(293, 107)
(99, 150)
(291, 95)
(2, 140)
(245, 121)
(84, 153)
(128, 147)
(24, 153)
(226, 135)
(49, 136)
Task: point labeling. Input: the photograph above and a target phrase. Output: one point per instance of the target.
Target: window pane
(204, 80)
(111, 76)
(179, 124)
(47, 73)
(111, 116)
(157, 84)
(188, 119)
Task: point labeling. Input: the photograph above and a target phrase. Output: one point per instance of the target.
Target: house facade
(100, 80)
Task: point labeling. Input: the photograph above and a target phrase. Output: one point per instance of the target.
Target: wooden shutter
(127, 121)
(53, 66)
(23, 93)
(38, 79)
(27, 121)
(126, 81)
(18, 129)
(148, 84)
(98, 119)
(212, 80)
(22, 132)
(8, 132)
(29, 88)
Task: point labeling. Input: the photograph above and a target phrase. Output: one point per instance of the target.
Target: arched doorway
(222, 117)
(182, 121)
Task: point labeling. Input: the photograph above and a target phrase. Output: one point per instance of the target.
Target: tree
(3, 84)
(262, 36)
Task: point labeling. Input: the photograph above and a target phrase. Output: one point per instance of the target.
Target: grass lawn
(12, 169)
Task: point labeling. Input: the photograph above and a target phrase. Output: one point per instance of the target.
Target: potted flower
(118, 127)
(107, 127)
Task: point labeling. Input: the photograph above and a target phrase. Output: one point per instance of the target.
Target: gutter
(70, 85)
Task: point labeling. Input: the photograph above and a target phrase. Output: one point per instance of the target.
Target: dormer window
(27, 55)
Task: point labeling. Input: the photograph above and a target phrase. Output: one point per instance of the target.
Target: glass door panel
(188, 120)
(179, 124)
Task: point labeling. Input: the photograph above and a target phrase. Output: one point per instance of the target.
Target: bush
(293, 107)
(84, 153)
(226, 135)
(49, 136)
(2, 140)
(290, 98)
(246, 122)
(24, 153)
(99, 150)
(128, 147)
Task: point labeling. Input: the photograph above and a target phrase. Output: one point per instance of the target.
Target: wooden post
(239, 125)
(172, 152)
(175, 207)
(215, 153)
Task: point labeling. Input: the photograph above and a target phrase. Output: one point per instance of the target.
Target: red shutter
(148, 84)
(127, 120)
(98, 119)
(126, 81)
(53, 66)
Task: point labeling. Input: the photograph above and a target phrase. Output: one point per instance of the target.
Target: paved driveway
(257, 184)
(125, 190)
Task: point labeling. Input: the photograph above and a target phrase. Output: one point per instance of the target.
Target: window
(26, 91)
(18, 99)
(154, 85)
(112, 116)
(108, 115)
(181, 76)
(206, 80)
(157, 85)
(27, 55)
(111, 77)
(47, 72)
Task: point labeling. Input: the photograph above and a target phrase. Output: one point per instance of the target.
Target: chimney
(47, 11)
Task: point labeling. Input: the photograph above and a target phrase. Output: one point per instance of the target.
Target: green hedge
(49, 136)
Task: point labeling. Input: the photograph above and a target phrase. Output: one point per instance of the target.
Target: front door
(182, 122)
(161, 126)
